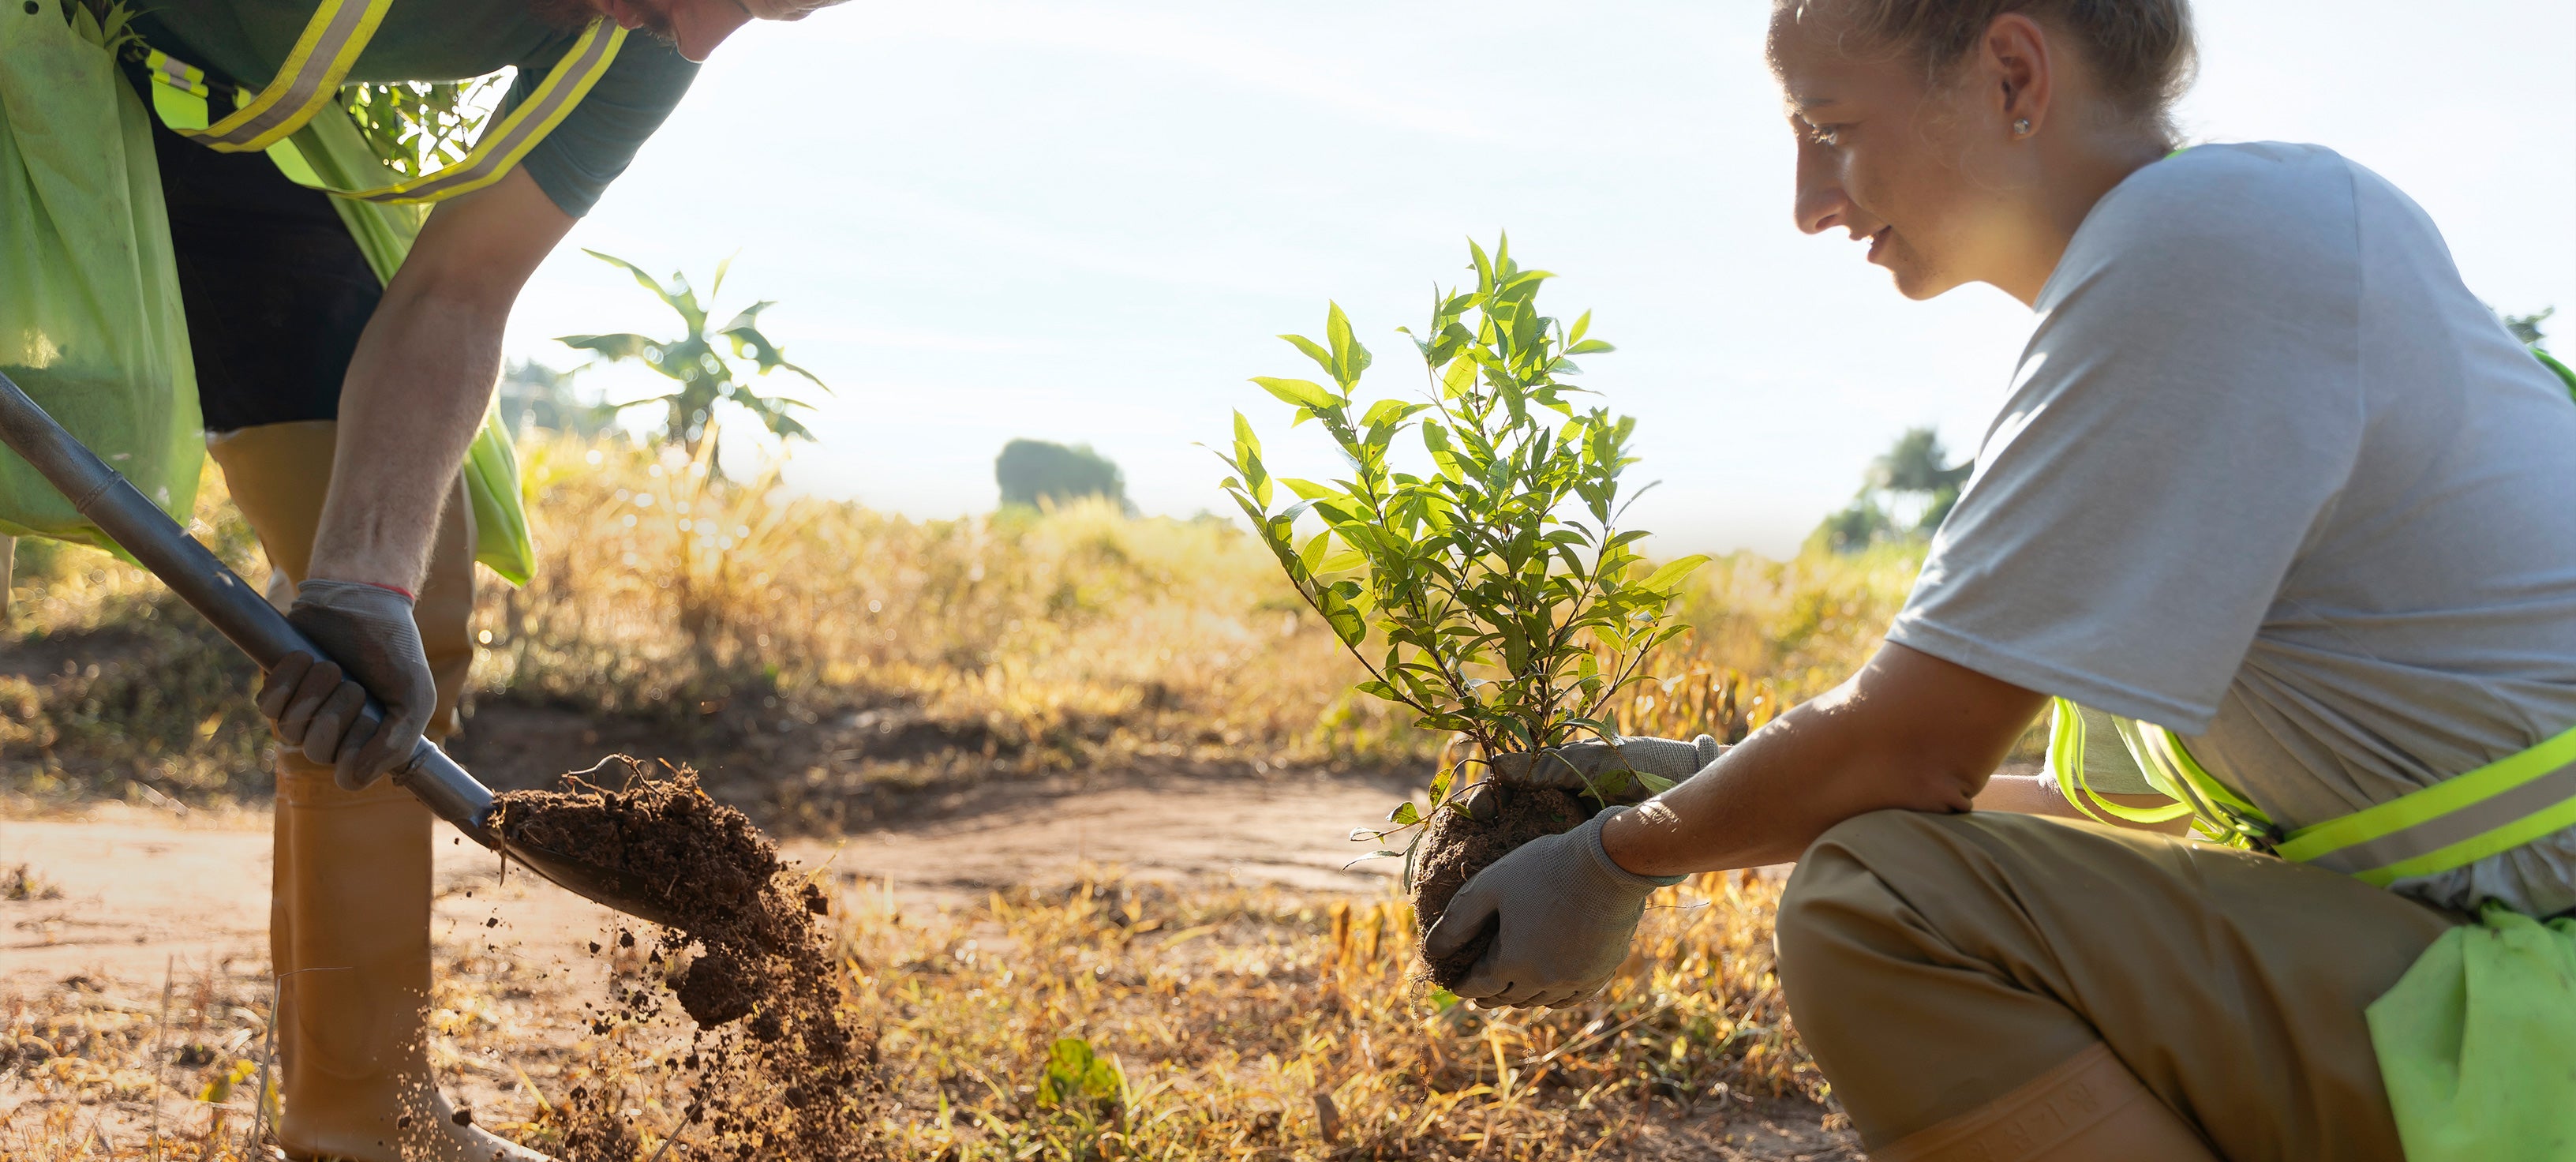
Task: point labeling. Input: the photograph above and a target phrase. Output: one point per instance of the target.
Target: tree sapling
(1491, 590)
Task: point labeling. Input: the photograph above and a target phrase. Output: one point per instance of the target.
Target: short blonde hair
(2141, 52)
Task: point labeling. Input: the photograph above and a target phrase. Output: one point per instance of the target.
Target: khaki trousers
(1937, 963)
(349, 906)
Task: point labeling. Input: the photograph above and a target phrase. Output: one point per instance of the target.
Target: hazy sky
(1084, 222)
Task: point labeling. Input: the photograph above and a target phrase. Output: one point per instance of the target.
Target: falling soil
(779, 1067)
(1500, 817)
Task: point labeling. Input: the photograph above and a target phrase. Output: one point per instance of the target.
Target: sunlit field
(760, 634)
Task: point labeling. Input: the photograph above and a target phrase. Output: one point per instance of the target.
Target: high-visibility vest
(2477, 1042)
(310, 78)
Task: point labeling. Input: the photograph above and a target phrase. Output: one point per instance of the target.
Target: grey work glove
(1567, 915)
(1603, 766)
(374, 648)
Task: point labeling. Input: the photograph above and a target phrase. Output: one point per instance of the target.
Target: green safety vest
(2477, 1041)
(383, 213)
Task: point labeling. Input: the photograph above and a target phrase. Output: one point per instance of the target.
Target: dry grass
(731, 617)
(740, 622)
(1230, 1021)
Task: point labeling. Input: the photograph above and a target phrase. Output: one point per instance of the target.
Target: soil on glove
(1501, 817)
(780, 1066)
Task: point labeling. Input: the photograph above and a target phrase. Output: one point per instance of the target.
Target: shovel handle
(239, 612)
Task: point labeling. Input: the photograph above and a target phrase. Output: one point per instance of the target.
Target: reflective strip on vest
(180, 94)
(503, 145)
(311, 76)
(2430, 830)
(2452, 823)
(177, 74)
(2066, 759)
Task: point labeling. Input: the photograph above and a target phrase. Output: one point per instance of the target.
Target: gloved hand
(1603, 767)
(375, 648)
(1567, 915)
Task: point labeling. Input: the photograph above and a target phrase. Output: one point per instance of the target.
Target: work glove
(1567, 913)
(374, 648)
(1604, 767)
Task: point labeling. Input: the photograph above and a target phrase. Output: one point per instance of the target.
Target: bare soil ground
(127, 899)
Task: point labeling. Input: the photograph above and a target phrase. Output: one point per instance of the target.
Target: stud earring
(2021, 128)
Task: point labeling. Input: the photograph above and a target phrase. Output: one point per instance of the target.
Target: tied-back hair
(2141, 52)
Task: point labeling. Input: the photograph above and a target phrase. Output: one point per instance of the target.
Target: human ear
(2020, 72)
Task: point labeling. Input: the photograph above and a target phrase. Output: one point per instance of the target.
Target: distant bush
(1035, 471)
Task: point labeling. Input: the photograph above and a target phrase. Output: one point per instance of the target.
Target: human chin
(1916, 276)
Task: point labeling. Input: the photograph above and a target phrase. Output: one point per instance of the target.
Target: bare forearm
(1910, 732)
(416, 391)
(2032, 795)
(2024, 795)
(423, 374)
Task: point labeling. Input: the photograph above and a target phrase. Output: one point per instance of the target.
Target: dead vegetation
(854, 660)
(838, 664)
(1101, 1019)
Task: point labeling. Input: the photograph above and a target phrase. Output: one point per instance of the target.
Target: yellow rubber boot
(2090, 1109)
(349, 909)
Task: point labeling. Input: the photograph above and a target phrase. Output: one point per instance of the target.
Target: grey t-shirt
(2272, 477)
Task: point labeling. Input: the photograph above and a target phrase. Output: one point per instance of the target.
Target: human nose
(1820, 203)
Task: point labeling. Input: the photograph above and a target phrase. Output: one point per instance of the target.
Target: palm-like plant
(697, 361)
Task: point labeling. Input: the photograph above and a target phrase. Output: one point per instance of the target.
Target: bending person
(342, 374)
(2271, 477)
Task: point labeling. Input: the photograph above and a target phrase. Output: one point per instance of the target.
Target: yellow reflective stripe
(311, 76)
(2066, 755)
(2475, 848)
(176, 73)
(2441, 798)
(503, 145)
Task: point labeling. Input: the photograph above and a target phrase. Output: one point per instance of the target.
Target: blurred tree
(1916, 471)
(2526, 328)
(697, 363)
(417, 127)
(534, 395)
(1031, 471)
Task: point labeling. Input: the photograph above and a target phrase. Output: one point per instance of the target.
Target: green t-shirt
(244, 41)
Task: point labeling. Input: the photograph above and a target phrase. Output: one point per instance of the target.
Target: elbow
(1917, 783)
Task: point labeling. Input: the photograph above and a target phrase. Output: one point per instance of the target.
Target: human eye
(1828, 135)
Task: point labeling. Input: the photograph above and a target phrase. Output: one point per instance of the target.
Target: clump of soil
(1500, 817)
(780, 1067)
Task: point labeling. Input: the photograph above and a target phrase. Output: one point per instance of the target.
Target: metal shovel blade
(241, 614)
(594, 882)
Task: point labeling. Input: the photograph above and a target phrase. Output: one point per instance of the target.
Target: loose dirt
(1499, 817)
(779, 1067)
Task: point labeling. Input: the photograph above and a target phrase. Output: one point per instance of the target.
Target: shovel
(113, 504)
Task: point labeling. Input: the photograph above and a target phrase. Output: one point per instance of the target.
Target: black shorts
(276, 290)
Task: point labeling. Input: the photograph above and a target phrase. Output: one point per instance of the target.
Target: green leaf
(1404, 815)
(1590, 347)
(1077, 1076)
(1316, 546)
(1346, 621)
(1300, 392)
(1671, 576)
(619, 346)
(1314, 351)
(1390, 411)
(1349, 359)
